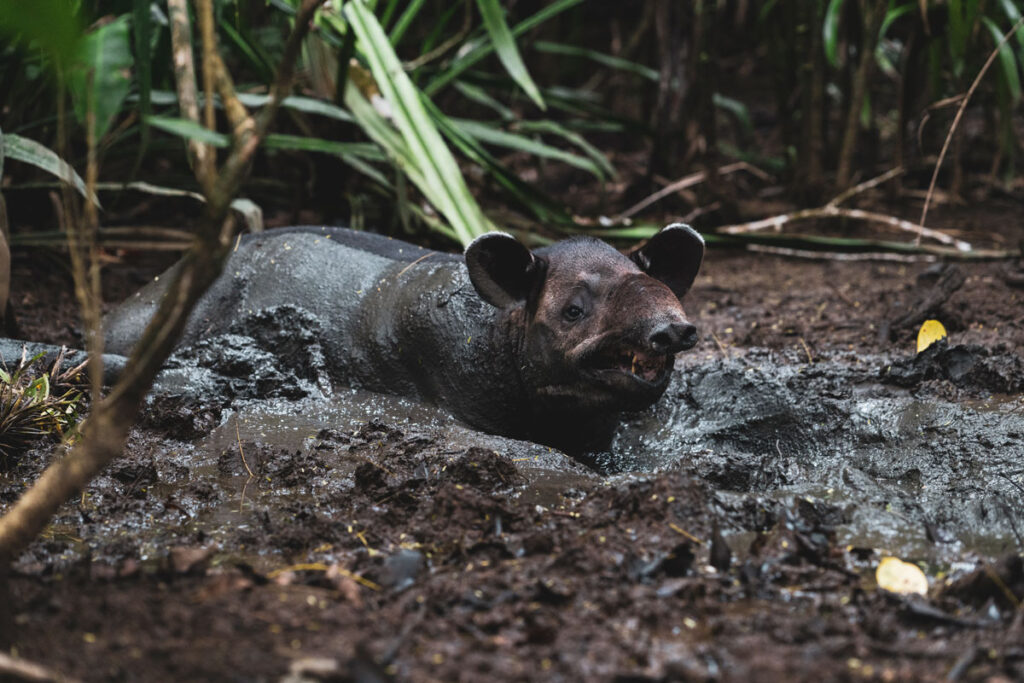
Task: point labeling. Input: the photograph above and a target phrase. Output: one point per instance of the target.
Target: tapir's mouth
(647, 368)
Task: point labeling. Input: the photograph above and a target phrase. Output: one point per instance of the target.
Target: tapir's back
(323, 270)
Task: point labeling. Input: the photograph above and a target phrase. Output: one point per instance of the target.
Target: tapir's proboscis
(549, 345)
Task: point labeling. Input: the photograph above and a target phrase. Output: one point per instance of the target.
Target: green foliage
(31, 408)
(100, 77)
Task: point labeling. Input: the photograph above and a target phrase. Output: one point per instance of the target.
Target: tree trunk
(874, 14)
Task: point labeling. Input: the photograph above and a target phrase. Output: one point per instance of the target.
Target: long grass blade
(31, 152)
(440, 172)
(505, 45)
(501, 138)
(483, 49)
(601, 58)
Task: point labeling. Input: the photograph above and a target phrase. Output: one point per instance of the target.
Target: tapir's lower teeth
(633, 363)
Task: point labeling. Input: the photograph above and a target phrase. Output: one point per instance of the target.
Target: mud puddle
(904, 473)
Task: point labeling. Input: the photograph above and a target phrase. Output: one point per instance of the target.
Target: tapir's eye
(572, 312)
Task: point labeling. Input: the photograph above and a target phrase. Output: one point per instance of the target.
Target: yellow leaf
(931, 331)
(897, 576)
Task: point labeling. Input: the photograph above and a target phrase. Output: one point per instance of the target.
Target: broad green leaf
(1007, 61)
(102, 76)
(439, 171)
(53, 25)
(505, 45)
(189, 130)
(31, 152)
(830, 31)
(599, 57)
(481, 50)
(501, 138)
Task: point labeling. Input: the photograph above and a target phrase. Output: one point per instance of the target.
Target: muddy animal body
(548, 345)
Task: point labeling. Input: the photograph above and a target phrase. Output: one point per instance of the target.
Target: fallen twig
(22, 670)
(832, 211)
(866, 185)
(685, 182)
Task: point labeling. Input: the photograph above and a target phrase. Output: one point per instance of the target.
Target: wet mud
(265, 524)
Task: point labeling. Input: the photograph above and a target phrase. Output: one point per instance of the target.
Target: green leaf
(404, 21)
(1007, 61)
(483, 49)
(501, 138)
(102, 76)
(481, 96)
(736, 108)
(189, 130)
(537, 202)
(53, 25)
(445, 185)
(142, 30)
(554, 128)
(508, 53)
(31, 152)
(1013, 14)
(830, 31)
(599, 57)
(310, 144)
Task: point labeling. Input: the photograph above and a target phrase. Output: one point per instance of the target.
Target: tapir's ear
(673, 256)
(502, 270)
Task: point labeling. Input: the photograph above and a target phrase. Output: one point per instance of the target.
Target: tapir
(549, 345)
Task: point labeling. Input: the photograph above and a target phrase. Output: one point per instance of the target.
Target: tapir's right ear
(673, 256)
(502, 270)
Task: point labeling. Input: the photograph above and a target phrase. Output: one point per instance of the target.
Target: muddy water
(902, 470)
(905, 473)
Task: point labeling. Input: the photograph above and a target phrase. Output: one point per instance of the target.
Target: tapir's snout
(673, 337)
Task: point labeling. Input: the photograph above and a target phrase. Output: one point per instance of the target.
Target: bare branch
(185, 77)
(832, 211)
(956, 121)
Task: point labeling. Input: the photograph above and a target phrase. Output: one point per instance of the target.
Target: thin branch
(23, 670)
(685, 182)
(956, 122)
(840, 256)
(866, 185)
(831, 211)
(200, 153)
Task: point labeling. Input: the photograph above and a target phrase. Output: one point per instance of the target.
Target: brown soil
(428, 564)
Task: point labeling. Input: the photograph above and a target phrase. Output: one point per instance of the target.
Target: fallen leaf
(931, 331)
(897, 576)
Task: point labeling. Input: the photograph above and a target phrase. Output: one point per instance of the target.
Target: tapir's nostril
(673, 337)
(690, 336)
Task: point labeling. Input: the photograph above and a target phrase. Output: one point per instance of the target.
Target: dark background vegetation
(814, 95)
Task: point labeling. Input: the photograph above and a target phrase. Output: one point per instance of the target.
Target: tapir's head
(600, 329)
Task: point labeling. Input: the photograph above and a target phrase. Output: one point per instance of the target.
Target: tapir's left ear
(673, 256)
(502, 270)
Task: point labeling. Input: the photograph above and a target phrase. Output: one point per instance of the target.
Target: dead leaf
(897, 576)
(931, 331)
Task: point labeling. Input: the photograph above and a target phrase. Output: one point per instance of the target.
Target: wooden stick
(832, 211)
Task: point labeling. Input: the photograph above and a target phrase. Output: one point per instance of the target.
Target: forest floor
(406, 547)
